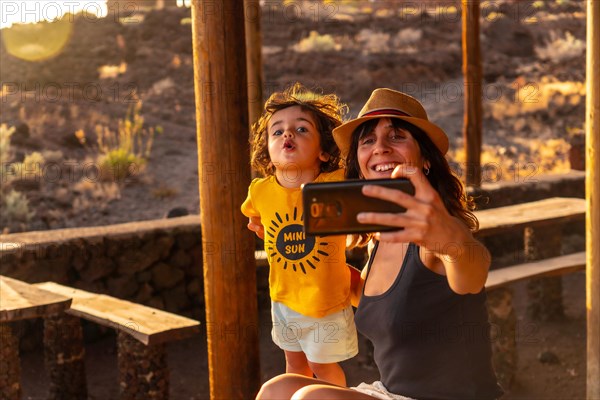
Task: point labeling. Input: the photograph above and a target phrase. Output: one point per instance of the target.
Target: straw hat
(392, 104)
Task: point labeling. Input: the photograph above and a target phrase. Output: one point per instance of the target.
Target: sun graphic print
(287, 245)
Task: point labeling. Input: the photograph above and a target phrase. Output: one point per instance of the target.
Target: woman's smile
(384, 167)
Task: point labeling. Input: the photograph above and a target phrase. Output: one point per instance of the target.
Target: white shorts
(325, 340)
(377, 390)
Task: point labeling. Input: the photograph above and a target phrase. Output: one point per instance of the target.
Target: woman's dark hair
(440, 176)
(326, 109)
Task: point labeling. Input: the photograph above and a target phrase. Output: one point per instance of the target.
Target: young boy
(313, 321)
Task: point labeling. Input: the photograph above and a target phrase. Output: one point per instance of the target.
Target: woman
(423, 298)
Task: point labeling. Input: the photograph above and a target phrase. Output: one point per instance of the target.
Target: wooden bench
(546, 213)
(555, 266)
(142, 336)
(20, 301)
(502, 317)
(541, 222)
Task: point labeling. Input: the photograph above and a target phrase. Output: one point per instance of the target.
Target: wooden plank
(148, 325)
(548, 267)
(592, 194)
(556, 210)
(20, 300)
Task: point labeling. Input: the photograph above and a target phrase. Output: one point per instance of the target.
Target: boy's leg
(296, 363)
(329, 340)
(332, 373)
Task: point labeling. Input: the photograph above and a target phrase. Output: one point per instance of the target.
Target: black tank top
(429, 342)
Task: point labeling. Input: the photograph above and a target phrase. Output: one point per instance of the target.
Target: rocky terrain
(533, 62)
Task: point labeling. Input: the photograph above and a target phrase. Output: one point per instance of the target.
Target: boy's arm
(357, 278)
(256, 226)
(356, 285)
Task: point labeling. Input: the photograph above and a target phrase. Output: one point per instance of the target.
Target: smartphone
(330, 208)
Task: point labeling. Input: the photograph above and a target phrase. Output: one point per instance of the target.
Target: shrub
(316, 42)
(373, 42)
(5, 150)
(15, 205)
(125, 152)
(15, 208)
(560, 49)
(31, 167)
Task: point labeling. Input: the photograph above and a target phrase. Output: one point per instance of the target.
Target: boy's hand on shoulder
(256, 226)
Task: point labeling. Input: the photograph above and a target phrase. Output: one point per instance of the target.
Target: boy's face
(294, 140)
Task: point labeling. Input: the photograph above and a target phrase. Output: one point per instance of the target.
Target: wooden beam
(472, 72)
(223, 167)
(254, 59)
(592, 184)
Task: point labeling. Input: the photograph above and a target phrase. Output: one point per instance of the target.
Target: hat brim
(343, 133)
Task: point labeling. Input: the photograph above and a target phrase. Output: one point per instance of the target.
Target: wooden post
(64, 357)
(545, 294)
(503, 334)
(254, 59)
(10, 367)
(592, 185)
(143, 370)
(223, 167)
(472, 72)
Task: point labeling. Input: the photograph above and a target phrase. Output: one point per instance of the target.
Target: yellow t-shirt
(308, 273)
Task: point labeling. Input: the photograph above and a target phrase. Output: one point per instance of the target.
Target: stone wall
(157, 263)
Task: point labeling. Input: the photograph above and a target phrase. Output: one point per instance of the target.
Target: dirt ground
(534, 108)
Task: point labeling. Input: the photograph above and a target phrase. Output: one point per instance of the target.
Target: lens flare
(37, 42)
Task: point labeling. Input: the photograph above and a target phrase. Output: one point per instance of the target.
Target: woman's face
(386, 147)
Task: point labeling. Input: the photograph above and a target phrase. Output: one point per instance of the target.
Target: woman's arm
(464, 260)
(446, 241)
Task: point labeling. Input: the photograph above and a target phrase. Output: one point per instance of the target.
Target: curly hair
(441, 177)
(327, 111)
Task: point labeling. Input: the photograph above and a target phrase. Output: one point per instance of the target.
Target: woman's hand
(428, 224)
(426, 220)
(256, 226)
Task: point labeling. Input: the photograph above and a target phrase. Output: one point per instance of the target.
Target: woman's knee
(316, 392)
(282, 387)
